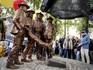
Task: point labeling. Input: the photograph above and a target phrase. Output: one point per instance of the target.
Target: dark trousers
(64, 53)
(71, 54)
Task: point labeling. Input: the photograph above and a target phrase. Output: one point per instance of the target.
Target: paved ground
(42, 65)
(35, 65)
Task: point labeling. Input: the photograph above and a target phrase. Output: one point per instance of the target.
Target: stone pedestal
(69, 64)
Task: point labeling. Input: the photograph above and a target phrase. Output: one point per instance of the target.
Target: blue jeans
(60, 51)
(64, 53)
(78, 55)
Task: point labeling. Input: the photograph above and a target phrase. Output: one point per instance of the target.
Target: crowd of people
(74, 47)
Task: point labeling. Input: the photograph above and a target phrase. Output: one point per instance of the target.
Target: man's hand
(19, 28)
(79, 45)
(16, 23)
(48, 45)
(27, 27)
(75, 50)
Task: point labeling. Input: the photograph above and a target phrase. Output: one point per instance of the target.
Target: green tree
(37, 3)
(91, 3)
(83, 24)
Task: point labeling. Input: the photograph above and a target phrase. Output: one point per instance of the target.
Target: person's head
(50, 19)
(83, 33)
(76, 38)
(30, 13)
(67, 36)
(39, 15)
(56, 41)
(23, 6)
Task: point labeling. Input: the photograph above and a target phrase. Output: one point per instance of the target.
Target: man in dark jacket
(2, 29)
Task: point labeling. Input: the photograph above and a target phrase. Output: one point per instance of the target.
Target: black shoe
(43, 59)
(12, 67)
(49, 57)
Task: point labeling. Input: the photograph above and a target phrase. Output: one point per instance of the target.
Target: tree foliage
(91, 3)
(37, 3)
(83, 24)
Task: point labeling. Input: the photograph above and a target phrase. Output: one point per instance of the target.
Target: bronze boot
(18, 63)
(24, 60)
(11, 66)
